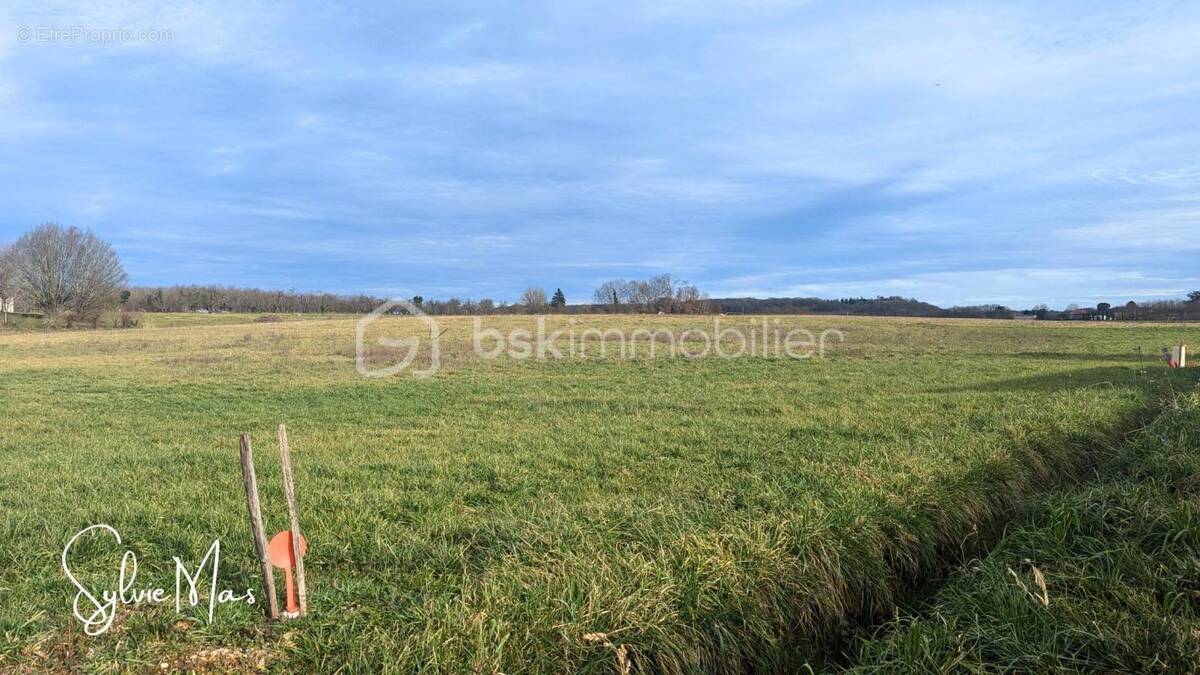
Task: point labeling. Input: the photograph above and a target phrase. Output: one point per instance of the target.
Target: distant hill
(880, 306)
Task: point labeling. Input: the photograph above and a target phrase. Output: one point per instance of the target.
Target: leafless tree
(65, 271)
(613, 293)
(656, 294)
(7, 275)
(689, 300)
(534, 300)
(660, 290)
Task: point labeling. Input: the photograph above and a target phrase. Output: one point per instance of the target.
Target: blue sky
(957, 152)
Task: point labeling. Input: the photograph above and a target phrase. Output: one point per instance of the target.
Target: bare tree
(67, 271)
(654, 294)
(8, 281)
(689, 300)
(660, 288)
(640, 295)
(659, 293)
(616, 292)
(608, 294)
(534, 300)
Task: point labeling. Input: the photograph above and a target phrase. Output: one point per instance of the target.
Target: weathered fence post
(256, 526)
(289, 490)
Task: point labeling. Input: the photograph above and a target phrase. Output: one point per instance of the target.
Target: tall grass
(1103, 577)
(665, 515)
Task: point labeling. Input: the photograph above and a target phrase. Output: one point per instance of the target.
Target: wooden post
(289, 490)
(256, 526)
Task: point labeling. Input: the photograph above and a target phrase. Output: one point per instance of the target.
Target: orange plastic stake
(282, 555)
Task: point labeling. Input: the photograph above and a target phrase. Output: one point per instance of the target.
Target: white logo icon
(412, 344)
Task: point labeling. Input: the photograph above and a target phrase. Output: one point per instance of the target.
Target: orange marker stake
(282, 556)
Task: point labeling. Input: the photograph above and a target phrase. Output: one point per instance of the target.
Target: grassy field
(30, 323)
(1103, 576)
(595, 515)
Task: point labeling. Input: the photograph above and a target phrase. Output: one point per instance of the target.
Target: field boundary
(914, 572)
(1127, 520)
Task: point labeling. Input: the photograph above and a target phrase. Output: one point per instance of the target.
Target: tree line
(215, 298)
(71, 274)
(659, 293)
(879, 306)
(630, 297)
(1155, 310)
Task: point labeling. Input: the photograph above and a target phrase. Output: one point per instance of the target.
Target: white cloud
(1019, 287)
(1168, 231)
(739, 144)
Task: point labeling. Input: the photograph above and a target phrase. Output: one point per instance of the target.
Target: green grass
(1118, 560)
(666, 515)
(112, 320)
(178, 320)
